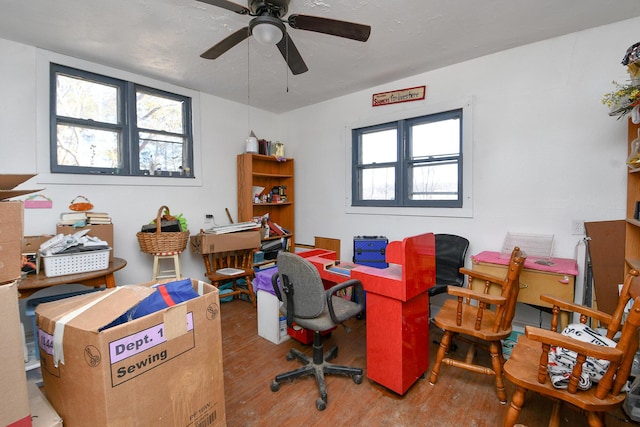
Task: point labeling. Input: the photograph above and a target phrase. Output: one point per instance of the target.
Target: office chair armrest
(359, 294)
(475, 274)
(470, 294)
(577, 308)
(276, 286)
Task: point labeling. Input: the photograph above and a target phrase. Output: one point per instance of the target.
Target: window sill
(426, 212)
(78, 179)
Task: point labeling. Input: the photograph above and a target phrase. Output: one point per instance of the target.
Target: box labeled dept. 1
(161, 369)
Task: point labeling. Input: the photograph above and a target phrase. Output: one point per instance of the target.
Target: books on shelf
(273, 229)
(264, 265)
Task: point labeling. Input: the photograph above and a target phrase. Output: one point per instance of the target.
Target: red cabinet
(397, 309)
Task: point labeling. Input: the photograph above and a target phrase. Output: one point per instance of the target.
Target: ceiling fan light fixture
(267, 29)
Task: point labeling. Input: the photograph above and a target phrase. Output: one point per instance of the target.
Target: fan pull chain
(286, 65)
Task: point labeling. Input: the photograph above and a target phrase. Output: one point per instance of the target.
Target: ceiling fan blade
(291, 55)
(348, 30)
(226, 44)
(227, 5)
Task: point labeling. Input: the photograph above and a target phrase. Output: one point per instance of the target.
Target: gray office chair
(299, 286)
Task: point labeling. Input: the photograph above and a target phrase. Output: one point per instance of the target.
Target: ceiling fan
(268, 27)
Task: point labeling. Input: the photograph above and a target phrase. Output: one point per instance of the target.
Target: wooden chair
(484, 323)
(527, 366)
(241, 260)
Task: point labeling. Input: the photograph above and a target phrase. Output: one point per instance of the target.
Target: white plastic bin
(271, 324)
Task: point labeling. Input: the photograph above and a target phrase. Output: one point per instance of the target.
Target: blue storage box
(370, 251)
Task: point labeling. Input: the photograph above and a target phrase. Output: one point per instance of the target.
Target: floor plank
(460, 398)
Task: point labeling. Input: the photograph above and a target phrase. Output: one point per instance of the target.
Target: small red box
(305, 336)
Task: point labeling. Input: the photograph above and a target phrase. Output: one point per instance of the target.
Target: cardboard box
(161, 369)
(11, 226)
(42, 413)
(31, 244)
(204, 243)
(14, 409)
(8, 182)
(11, 230)
(101, 231)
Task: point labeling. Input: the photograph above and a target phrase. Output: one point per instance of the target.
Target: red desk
(397, 309)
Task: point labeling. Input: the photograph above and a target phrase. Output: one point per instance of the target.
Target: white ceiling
(163, 39)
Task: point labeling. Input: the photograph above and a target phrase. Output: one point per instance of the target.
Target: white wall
(220, 131)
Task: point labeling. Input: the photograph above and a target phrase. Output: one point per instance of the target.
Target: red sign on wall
(396, 96)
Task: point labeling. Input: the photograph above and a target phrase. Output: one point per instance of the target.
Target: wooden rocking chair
(527, 366)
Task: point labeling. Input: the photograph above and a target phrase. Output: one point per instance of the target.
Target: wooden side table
(35, 282)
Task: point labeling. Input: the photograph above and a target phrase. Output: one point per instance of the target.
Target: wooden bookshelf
(632, 231)
(257, 170)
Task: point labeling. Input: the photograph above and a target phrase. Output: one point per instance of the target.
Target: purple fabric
(262, 281)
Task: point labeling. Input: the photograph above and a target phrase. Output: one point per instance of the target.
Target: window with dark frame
(103, 125)
(414, 162)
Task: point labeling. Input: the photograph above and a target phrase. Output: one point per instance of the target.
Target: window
(102, 125)
(413, 162)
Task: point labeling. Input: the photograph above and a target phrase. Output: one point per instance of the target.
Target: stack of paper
(231, 228)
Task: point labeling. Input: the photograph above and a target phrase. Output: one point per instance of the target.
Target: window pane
(434, 182)
(159, 113)
(81, 146)
(87, 100)
(379, 147)
(378, 184)
(161, 152)
(435, 139)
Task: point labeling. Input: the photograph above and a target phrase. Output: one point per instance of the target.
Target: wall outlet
(208, 218)
(577, 226)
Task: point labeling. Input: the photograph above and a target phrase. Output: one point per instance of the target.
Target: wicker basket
(159, 241)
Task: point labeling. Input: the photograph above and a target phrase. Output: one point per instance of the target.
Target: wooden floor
(460, 398)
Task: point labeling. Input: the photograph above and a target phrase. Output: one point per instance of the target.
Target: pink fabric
(558, 265)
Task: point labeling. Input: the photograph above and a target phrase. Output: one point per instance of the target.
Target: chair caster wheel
(321, 405)
(290, 357)
(357, 379)
(275, 386)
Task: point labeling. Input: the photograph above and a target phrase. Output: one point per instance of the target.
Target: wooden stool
(158, 273)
